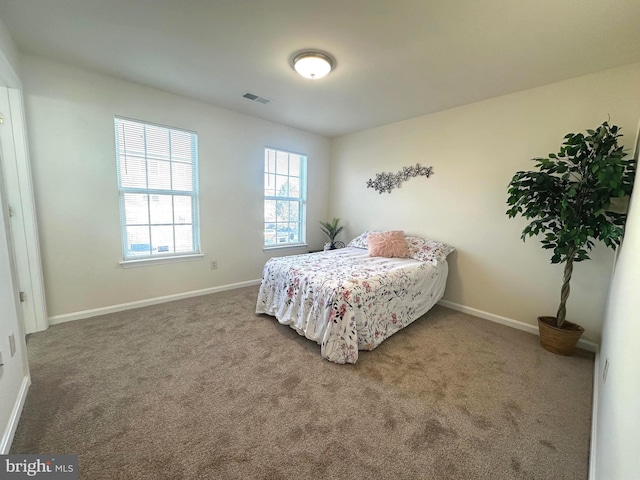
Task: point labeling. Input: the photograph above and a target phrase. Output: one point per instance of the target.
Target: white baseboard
(10, 431)
(585, 344)
(68, 317)
(594, 418)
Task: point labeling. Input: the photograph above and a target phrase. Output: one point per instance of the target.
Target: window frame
(169, 257)
(301, 200)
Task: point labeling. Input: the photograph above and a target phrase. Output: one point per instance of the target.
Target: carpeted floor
(204, 389)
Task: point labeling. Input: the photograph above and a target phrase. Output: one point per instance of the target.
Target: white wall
(8, 59)
(475, 150)
(70, 115)
(618, 403)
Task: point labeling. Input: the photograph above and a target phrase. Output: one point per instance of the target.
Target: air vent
(256, 98)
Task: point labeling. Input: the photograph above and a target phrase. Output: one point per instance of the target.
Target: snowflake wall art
(385, 182)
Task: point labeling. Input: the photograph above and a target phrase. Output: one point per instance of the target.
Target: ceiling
(396, 59)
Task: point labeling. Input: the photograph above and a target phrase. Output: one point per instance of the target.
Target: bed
(347, 300)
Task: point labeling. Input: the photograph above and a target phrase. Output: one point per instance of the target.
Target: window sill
(296, 246)
(145, 262)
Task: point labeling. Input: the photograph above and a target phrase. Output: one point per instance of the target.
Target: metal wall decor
(385, 182)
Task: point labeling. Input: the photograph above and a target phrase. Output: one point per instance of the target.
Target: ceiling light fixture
(313, 65)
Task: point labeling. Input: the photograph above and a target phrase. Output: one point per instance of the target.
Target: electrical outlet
(214, 264)
(12, 344)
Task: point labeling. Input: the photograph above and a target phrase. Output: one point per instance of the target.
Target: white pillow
(361, 240)
(427, 250)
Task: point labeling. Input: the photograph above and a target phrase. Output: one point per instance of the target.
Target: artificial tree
(569, 199)
(331, 229)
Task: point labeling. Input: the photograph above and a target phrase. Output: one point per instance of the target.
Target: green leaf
(567, 197)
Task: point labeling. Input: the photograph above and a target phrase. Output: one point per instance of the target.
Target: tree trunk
(564, 292)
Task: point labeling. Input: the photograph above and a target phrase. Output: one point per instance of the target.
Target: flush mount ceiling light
(313, 65)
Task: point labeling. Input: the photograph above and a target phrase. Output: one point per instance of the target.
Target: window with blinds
(284, 198)
(158, 183)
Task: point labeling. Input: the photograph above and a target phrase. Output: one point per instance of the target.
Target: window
(158, 183)
(284, 198)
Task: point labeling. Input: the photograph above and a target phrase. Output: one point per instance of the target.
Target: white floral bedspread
(346, 300)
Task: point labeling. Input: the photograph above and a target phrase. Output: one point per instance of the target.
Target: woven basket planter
(558, 340)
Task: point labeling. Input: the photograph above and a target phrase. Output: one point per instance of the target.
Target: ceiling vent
(256, 98)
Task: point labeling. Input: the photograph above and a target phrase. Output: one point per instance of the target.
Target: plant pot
(558, 340)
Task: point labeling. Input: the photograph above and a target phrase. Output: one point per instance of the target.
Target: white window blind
(284, 198)
(158, 184)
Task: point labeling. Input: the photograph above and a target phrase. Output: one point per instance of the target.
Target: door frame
(18, 186)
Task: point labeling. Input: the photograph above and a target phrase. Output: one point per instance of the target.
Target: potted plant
(331, 229)
(569, 200)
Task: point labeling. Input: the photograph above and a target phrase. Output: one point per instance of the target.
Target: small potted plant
(332, 229)
(568, 200)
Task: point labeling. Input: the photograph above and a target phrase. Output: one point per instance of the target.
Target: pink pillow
(387, 244)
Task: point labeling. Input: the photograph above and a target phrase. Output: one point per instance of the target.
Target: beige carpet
(204, 389)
